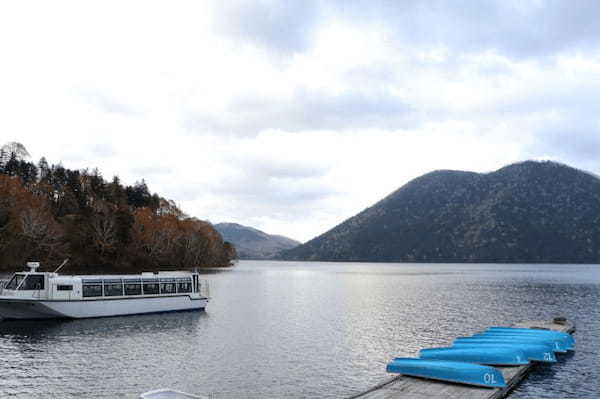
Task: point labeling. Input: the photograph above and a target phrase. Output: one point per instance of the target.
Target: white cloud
(292, 116)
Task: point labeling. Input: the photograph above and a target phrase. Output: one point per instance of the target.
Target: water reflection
(303, 330)
(108, 327)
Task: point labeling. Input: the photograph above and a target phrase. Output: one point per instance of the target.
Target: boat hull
(443, 370)
(22, 309)
(169, 394)
(560, 343)
(500, 356)
(556, 346)
(529, 330)
(535, 352)
(567, 338)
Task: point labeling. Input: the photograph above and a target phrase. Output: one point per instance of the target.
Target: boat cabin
(51, 286)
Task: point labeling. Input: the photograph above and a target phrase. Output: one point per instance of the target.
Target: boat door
(195, 282)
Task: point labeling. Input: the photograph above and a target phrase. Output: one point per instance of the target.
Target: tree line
(49, 213)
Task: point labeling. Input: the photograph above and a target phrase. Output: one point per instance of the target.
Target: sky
(291, 116)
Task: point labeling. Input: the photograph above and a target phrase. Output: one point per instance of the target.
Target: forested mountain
(251, 243)
(526, 212)
(49, 213)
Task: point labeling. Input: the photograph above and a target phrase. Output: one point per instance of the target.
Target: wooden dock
(405, 387)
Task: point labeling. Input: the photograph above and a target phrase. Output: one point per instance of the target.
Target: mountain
(528, 212)
(251, 243)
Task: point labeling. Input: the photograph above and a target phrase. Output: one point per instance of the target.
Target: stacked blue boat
(471, 360)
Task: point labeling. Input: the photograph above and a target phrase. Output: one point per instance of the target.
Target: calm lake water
(305, 330)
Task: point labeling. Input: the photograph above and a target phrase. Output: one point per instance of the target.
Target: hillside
(251, 243)
(49, 213)
(526, 212)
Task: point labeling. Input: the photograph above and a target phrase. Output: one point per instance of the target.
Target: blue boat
(532, 331)
(560, 343)
(444, 370)
(528, 330)
(534, 352)
(491, 356)
(567, 342)
(557, 346)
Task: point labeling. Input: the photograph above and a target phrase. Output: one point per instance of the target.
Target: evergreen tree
(11, 167)
(44, 171)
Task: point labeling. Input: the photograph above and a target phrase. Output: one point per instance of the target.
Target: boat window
(64, 288)
(150, 288)
(32, 282)
(92, 290)
(184, 285)
(113, 289)
(14, 282)
(133, 288)
(94, 281)
(167, 288)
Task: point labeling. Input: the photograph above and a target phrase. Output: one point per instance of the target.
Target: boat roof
(140, 275)
(166, 274)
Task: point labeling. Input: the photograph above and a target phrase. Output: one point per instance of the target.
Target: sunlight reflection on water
(304, 330)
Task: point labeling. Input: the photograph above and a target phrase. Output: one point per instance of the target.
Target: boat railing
(204, 289)
(2, 285)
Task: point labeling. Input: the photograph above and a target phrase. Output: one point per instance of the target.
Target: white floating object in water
(169, 394)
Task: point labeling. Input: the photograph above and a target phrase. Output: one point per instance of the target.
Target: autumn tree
(27, 228)
(49, 211)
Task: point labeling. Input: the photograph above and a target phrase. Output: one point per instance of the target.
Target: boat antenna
(61, 265)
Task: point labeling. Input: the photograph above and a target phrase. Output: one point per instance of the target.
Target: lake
(305, 330)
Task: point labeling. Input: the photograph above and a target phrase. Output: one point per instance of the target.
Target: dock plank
(405, 387)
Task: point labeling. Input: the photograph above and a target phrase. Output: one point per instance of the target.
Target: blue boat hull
(528, 330)
(560, 344)
(534, 352)
(459, 372)
(510, 340)
(491, 356)
(568, 338)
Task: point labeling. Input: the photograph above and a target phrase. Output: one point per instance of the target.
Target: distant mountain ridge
(529, 212)
(251, 243)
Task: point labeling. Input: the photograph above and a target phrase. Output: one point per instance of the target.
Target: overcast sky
(291, 116)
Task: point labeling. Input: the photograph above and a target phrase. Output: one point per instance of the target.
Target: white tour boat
(42, 295)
